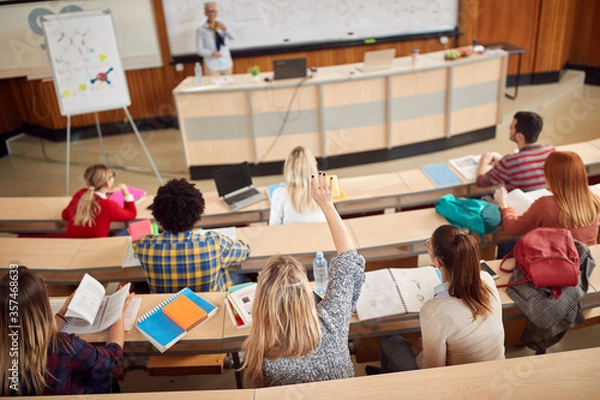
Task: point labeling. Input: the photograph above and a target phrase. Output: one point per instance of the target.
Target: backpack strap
(504, 259)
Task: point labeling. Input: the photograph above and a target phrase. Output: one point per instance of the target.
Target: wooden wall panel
(9, 115)
(585, 46)
(514, 22)
(554, 35)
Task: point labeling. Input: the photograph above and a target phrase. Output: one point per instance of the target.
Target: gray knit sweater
(331, 358)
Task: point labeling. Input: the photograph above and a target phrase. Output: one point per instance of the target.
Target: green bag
(476, 215)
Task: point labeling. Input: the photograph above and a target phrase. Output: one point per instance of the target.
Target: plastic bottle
(320, 273)
(198, 73)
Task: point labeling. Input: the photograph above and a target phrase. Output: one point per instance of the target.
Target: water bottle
(320, 273)
(198, 73)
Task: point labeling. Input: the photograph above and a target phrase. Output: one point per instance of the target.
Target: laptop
(289, 68)
(378, 60)
(234, 185)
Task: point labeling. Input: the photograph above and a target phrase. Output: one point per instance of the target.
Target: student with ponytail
(37, 358)
(463, 322)
(90, 212)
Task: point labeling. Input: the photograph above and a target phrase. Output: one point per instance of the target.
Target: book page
(519, 200)
(467, 166)
(114, 307)
(416, 285)
(379, 296)
(130, 259)
(536, 194)
(87, 300)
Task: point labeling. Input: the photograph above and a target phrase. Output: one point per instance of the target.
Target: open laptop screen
(289, 68)
(232, 178)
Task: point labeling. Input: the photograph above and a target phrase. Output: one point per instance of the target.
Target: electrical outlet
(179, 67)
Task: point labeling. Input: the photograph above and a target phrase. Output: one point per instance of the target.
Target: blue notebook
(160, 330)
(441, 175)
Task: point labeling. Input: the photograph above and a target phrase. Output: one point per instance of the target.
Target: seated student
(292, 204)
(178, 257)
(90, 212)
(521, 169)
(463, 322)
(50, 362)
(572, 206)
(291, 339)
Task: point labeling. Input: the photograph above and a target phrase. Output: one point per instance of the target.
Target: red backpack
(548, 258)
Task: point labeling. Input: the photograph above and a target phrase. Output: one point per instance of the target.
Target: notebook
(377, 60)
(235, 188)
(441, 175)
(162, 331)
(395, 291)
(138, 194)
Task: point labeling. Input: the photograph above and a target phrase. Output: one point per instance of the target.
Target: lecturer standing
(211, 43)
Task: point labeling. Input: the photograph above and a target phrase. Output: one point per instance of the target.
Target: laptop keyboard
(239, 197)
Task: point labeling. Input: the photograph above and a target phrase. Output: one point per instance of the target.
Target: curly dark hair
(178, 206)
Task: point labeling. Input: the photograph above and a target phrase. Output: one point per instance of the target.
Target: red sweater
(109, 212)
(543, 213)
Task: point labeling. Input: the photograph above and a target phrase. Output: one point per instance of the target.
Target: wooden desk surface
(570, 374)
(208, 337)
(64, 254)
(229, 394)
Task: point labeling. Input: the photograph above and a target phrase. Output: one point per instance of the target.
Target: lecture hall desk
(363, 194)
(377, 237)
(569, 374)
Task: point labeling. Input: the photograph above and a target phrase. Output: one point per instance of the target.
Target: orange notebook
(185, 313)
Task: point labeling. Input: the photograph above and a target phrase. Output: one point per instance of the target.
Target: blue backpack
(476, 215)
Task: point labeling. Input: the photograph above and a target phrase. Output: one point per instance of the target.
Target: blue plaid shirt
(198, 261)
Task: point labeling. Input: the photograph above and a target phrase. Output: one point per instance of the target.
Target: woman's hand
(122, 187)
(500, 197)
(65, 306)
(321, 189)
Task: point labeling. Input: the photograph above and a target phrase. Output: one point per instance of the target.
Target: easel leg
(141, 140)
(68, 172)
(104, 158)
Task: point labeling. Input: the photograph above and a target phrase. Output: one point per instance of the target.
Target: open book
(395, 291)
(521, 201)
(90, 312)
(467, 166)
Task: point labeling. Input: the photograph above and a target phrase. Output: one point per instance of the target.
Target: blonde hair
(36, 331)
(88, 207)
(284, 317)
(298, 168)
(567, 179)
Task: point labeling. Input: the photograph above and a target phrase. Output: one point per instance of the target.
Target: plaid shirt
(198, 261)
(72, 358)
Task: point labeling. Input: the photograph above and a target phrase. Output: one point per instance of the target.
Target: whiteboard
(23, 47)
(280, 23)
(85, 60)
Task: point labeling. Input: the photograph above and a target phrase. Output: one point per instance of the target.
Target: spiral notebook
(161, 330)
(395, 291)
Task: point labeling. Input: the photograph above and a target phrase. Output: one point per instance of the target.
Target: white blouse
(283, 212)
(452, 337)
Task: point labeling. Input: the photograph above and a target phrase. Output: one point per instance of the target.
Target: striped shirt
(196, 260)
(522, 170)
